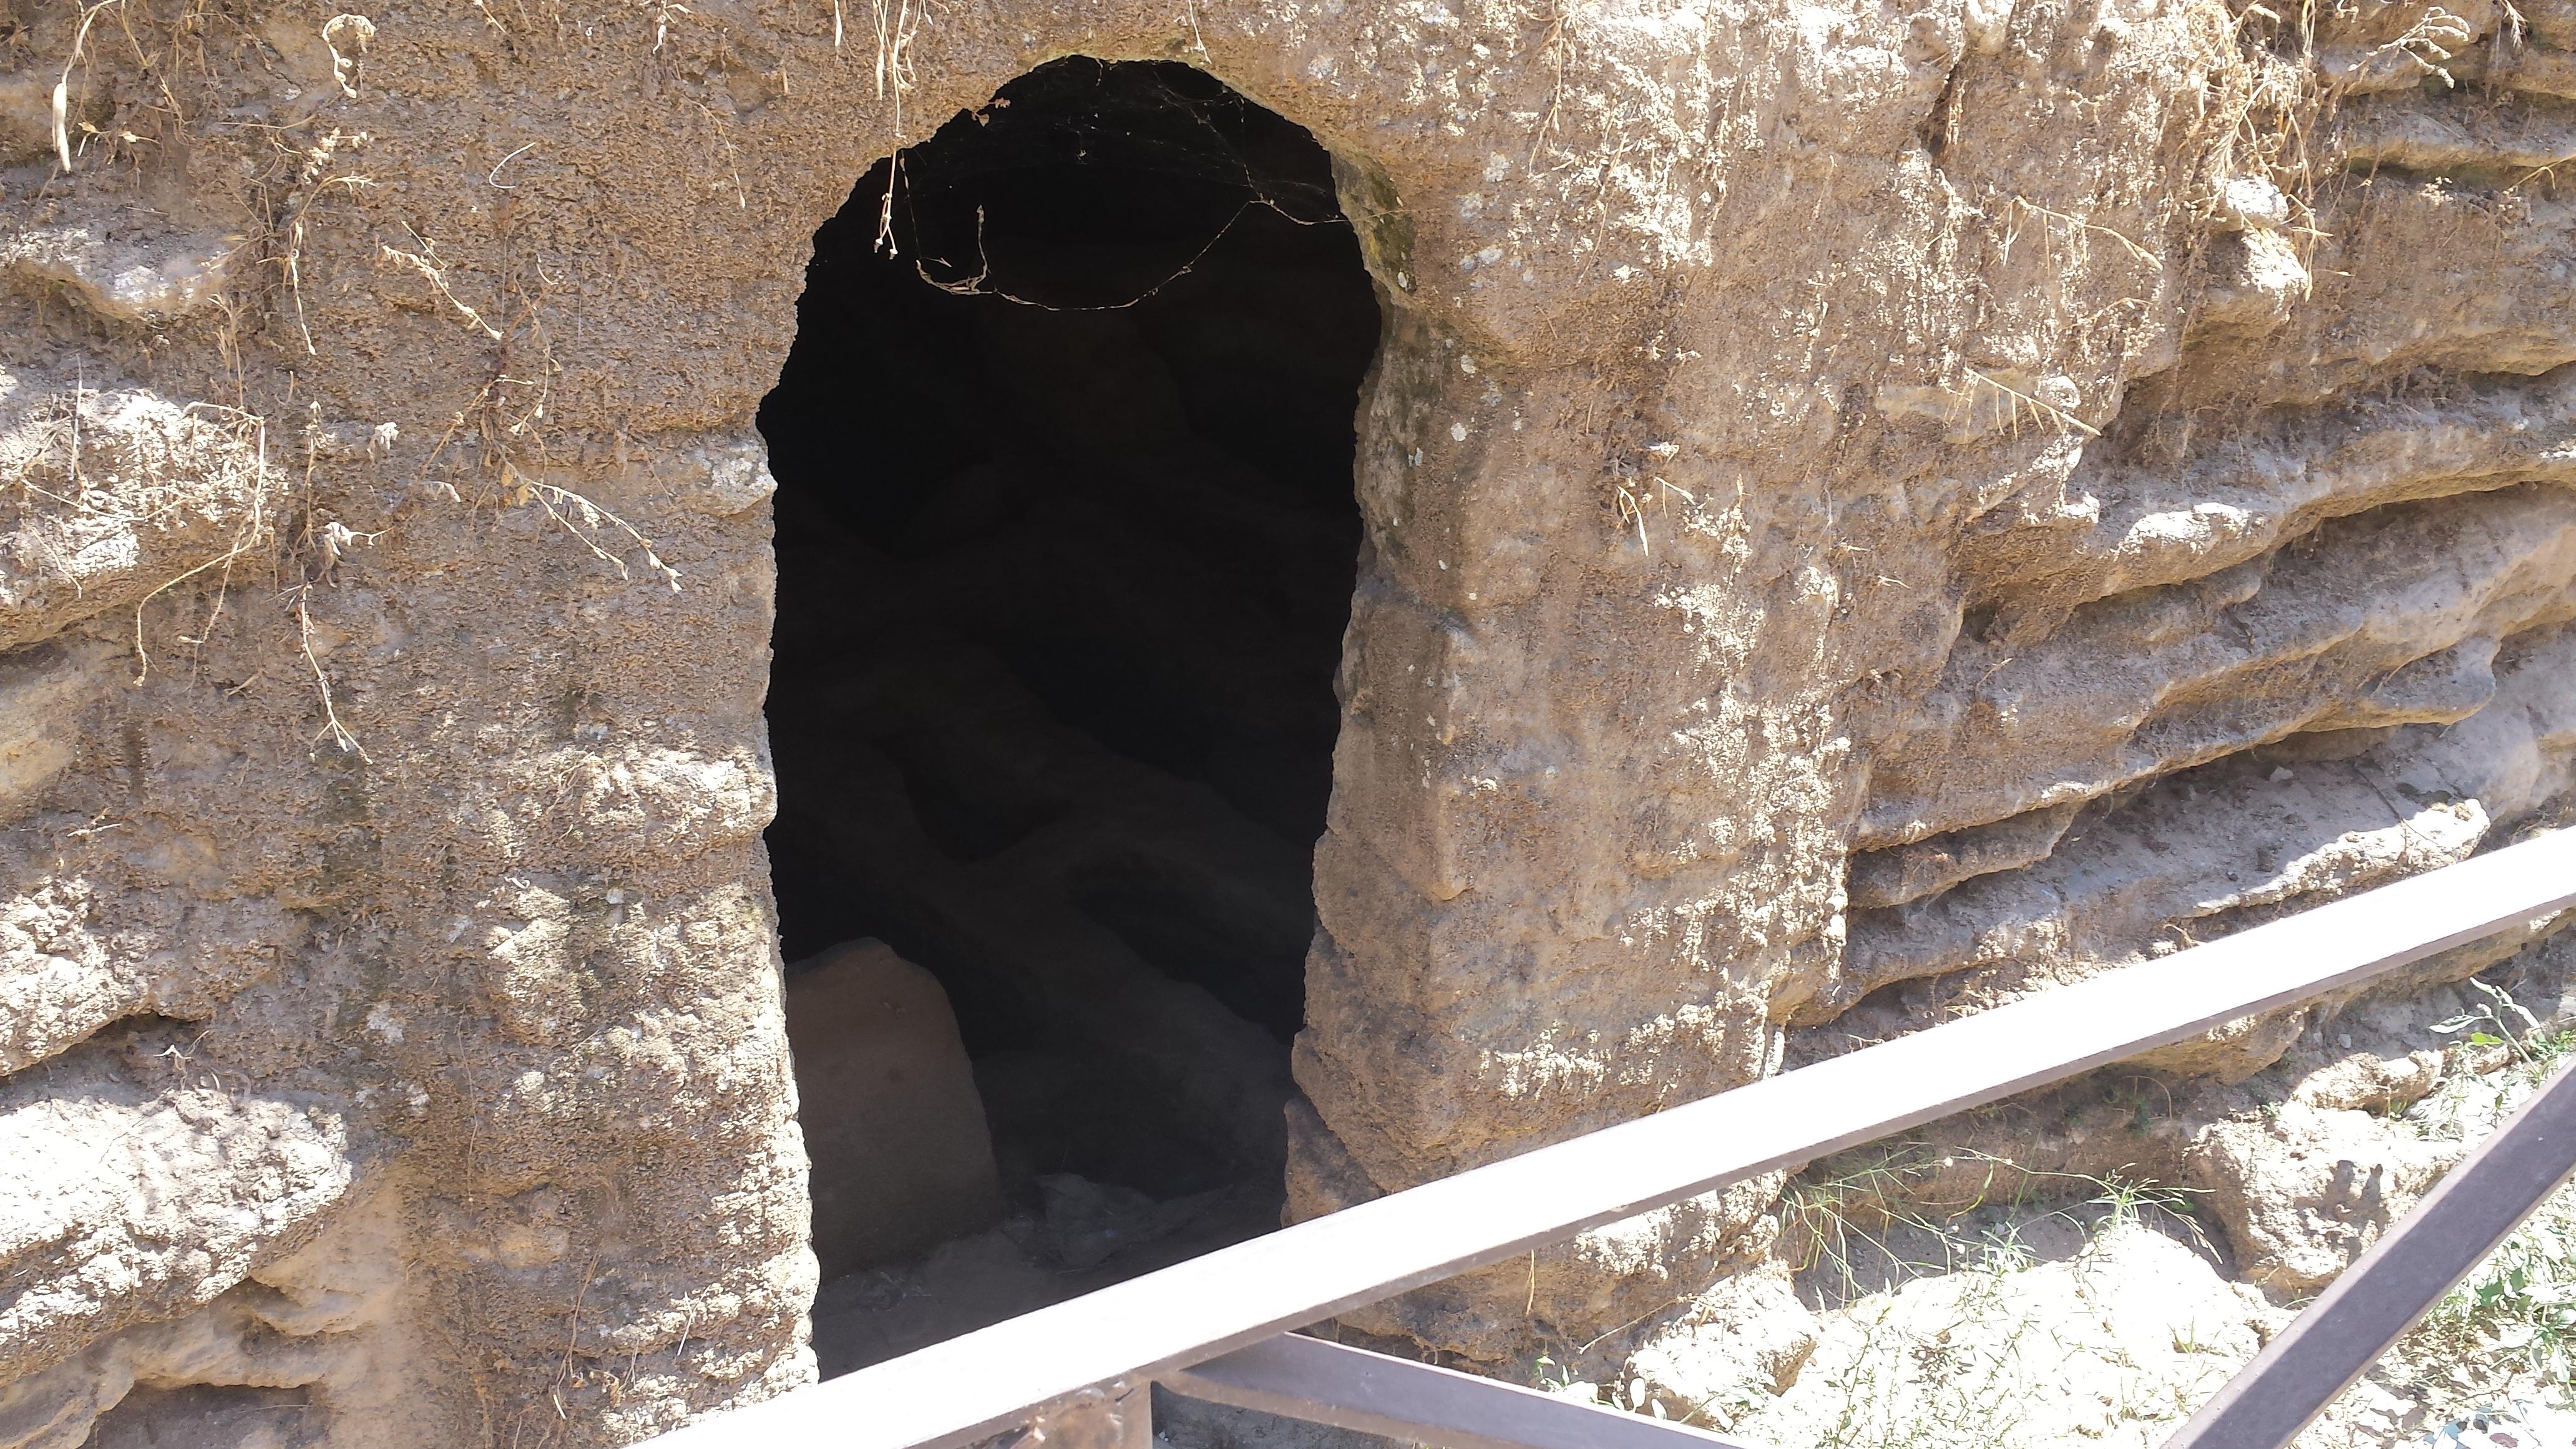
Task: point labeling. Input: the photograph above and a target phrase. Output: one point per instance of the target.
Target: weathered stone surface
(2391, 618)
(76, 955)
(2212, 849)
(45, 690)
(2125, 526)
(120, 494)
(127, 1202)
(2381, 1052)
(1909, 872)
(323, 1331)
(2402, 131)
(133, 268)
(2111, 1344)
(2304, 1194)
(1742, 1341)
(2290, 1172)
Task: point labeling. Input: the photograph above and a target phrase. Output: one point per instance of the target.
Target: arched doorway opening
(1066, 542)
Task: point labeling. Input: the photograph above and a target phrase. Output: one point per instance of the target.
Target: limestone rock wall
(2099, 469)
(2298, 623)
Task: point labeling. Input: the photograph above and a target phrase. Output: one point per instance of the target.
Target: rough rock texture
(2094, 1259)
(192, 1185)
(325, 1327)
(1798, 430)
(119, 494)
(2304, 1198)
(1743, 1341)
(2265, 1157)
(2112, 1345)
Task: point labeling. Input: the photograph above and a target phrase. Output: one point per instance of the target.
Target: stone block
(901, 1155)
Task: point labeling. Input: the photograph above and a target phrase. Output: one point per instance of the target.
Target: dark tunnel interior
(1066, 543)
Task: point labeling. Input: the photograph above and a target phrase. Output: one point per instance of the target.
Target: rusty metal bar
(1419, 1403)
(2475, 1207)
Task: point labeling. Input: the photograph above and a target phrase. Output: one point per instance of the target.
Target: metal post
(2379, 1297)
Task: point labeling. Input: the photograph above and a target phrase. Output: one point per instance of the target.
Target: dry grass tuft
(423, 261)
(2262, 106)
(506, 423)
(84, 484)
(1845, 1224)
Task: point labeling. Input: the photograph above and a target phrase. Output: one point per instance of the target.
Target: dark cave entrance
(1066, 542)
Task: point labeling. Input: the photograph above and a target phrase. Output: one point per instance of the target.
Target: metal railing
(1077, 1375)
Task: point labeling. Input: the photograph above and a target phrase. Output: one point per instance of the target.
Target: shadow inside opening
(1066, 543)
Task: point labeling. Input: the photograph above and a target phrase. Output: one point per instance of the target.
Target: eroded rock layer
(2296, 623)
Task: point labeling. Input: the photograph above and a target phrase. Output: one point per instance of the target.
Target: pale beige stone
(893, 1126)
(2304, 1193)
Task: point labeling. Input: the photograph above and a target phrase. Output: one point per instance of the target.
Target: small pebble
(2282, 774)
